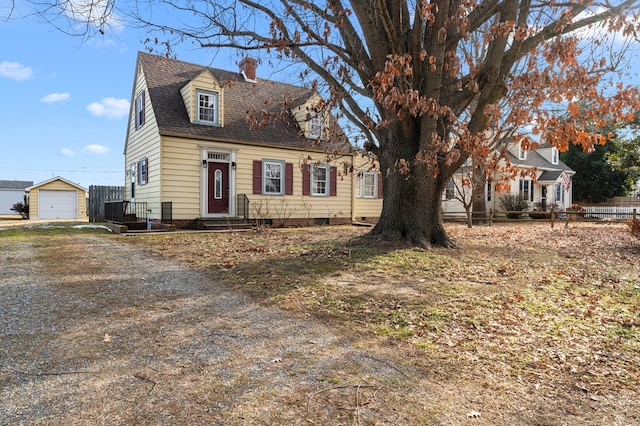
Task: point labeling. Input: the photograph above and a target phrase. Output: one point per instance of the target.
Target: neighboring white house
(12, 192)
(549, 189)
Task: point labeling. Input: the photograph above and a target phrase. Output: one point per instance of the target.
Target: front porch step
(222, 224)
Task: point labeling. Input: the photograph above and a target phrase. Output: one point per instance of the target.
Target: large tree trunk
(411, 207)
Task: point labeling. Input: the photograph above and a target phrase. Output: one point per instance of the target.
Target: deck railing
(125, 211)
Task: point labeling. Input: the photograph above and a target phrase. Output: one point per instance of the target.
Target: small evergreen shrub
(512, 203)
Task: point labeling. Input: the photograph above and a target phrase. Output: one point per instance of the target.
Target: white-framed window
(207, 107)
(368, 185)
(559, 193)
(555, 156)
(143, 171)
(526, 189)
(522, 153)
(315, 127)
(488, 190)
(450, 190)
(320, 180)
(273, 177)
(139, 108)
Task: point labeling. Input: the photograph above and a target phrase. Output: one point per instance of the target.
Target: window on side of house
(139, 107)
(559, 193)
(526, 189)
(555, 156)
(207, 107)
(273, 177)
(488, 191)
(450, 190)
(143, 171)
(367, 185)
(320, 180)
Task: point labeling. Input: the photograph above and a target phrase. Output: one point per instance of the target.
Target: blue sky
(64, 102)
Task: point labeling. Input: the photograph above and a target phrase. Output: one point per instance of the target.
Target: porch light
(233, 165)
(204, 164)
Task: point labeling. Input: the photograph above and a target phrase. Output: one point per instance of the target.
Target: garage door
(57, 204)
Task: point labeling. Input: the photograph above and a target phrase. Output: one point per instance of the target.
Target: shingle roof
(536, 160)
(165, 77)
(15, 184)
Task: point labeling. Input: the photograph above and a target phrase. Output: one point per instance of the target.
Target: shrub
(22, 209)
(512, 203)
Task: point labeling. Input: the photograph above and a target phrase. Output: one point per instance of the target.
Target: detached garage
(57, 198)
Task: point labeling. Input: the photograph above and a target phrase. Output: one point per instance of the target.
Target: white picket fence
(610, 212)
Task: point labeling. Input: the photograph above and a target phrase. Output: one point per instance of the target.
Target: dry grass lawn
(520, 325)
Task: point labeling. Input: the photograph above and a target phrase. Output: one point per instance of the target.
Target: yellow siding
(203, 81)
(57, 185)
(368, 208)
(182, 176)
(141, 143)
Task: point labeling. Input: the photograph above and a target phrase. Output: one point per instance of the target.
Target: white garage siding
(57, 204)
(9, 197)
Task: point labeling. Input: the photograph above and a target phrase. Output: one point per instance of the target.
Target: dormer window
(208, 107)
(555, 156)
(522, 153)
(315, 127)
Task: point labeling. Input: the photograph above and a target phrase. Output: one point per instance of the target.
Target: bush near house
(513, 204)
(22, 209)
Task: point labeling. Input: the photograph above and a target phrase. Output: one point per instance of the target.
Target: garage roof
(53, 180)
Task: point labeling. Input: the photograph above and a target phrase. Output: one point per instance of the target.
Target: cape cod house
(549, 190)
(205, 141)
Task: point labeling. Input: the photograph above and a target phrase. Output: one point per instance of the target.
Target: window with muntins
(554, 156)
(449, 190)
(368, 185)
(526, 189)
(139, 107)
(207, 107)
(143, 171)
(315, 127)
(319, 180)
(273, 177)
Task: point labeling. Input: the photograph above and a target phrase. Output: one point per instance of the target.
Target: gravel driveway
(96, 331)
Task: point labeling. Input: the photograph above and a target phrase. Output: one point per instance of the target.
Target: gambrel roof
(242, 100)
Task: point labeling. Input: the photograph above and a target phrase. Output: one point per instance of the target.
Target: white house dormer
(203, 98)
(311, 118)
(550, 153)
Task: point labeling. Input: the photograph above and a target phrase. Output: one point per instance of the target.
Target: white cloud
(109, 107)
(98, 13)
(55, 97)
(96, 149)
(67, 152)
(15, 71)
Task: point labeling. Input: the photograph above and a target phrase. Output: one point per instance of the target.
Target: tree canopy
(428, 84)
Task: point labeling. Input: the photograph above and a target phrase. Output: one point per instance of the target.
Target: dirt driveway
(96, 331)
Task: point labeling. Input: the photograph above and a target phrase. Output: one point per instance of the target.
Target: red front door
(218, 198)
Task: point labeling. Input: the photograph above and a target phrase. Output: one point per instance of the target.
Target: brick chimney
(248, 68)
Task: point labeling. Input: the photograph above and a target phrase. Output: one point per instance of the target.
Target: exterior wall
(58, 185)
(143, 143)
(365, 209)
(9, 197)
(184, 182)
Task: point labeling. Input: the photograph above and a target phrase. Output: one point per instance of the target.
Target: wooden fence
(98, 196)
